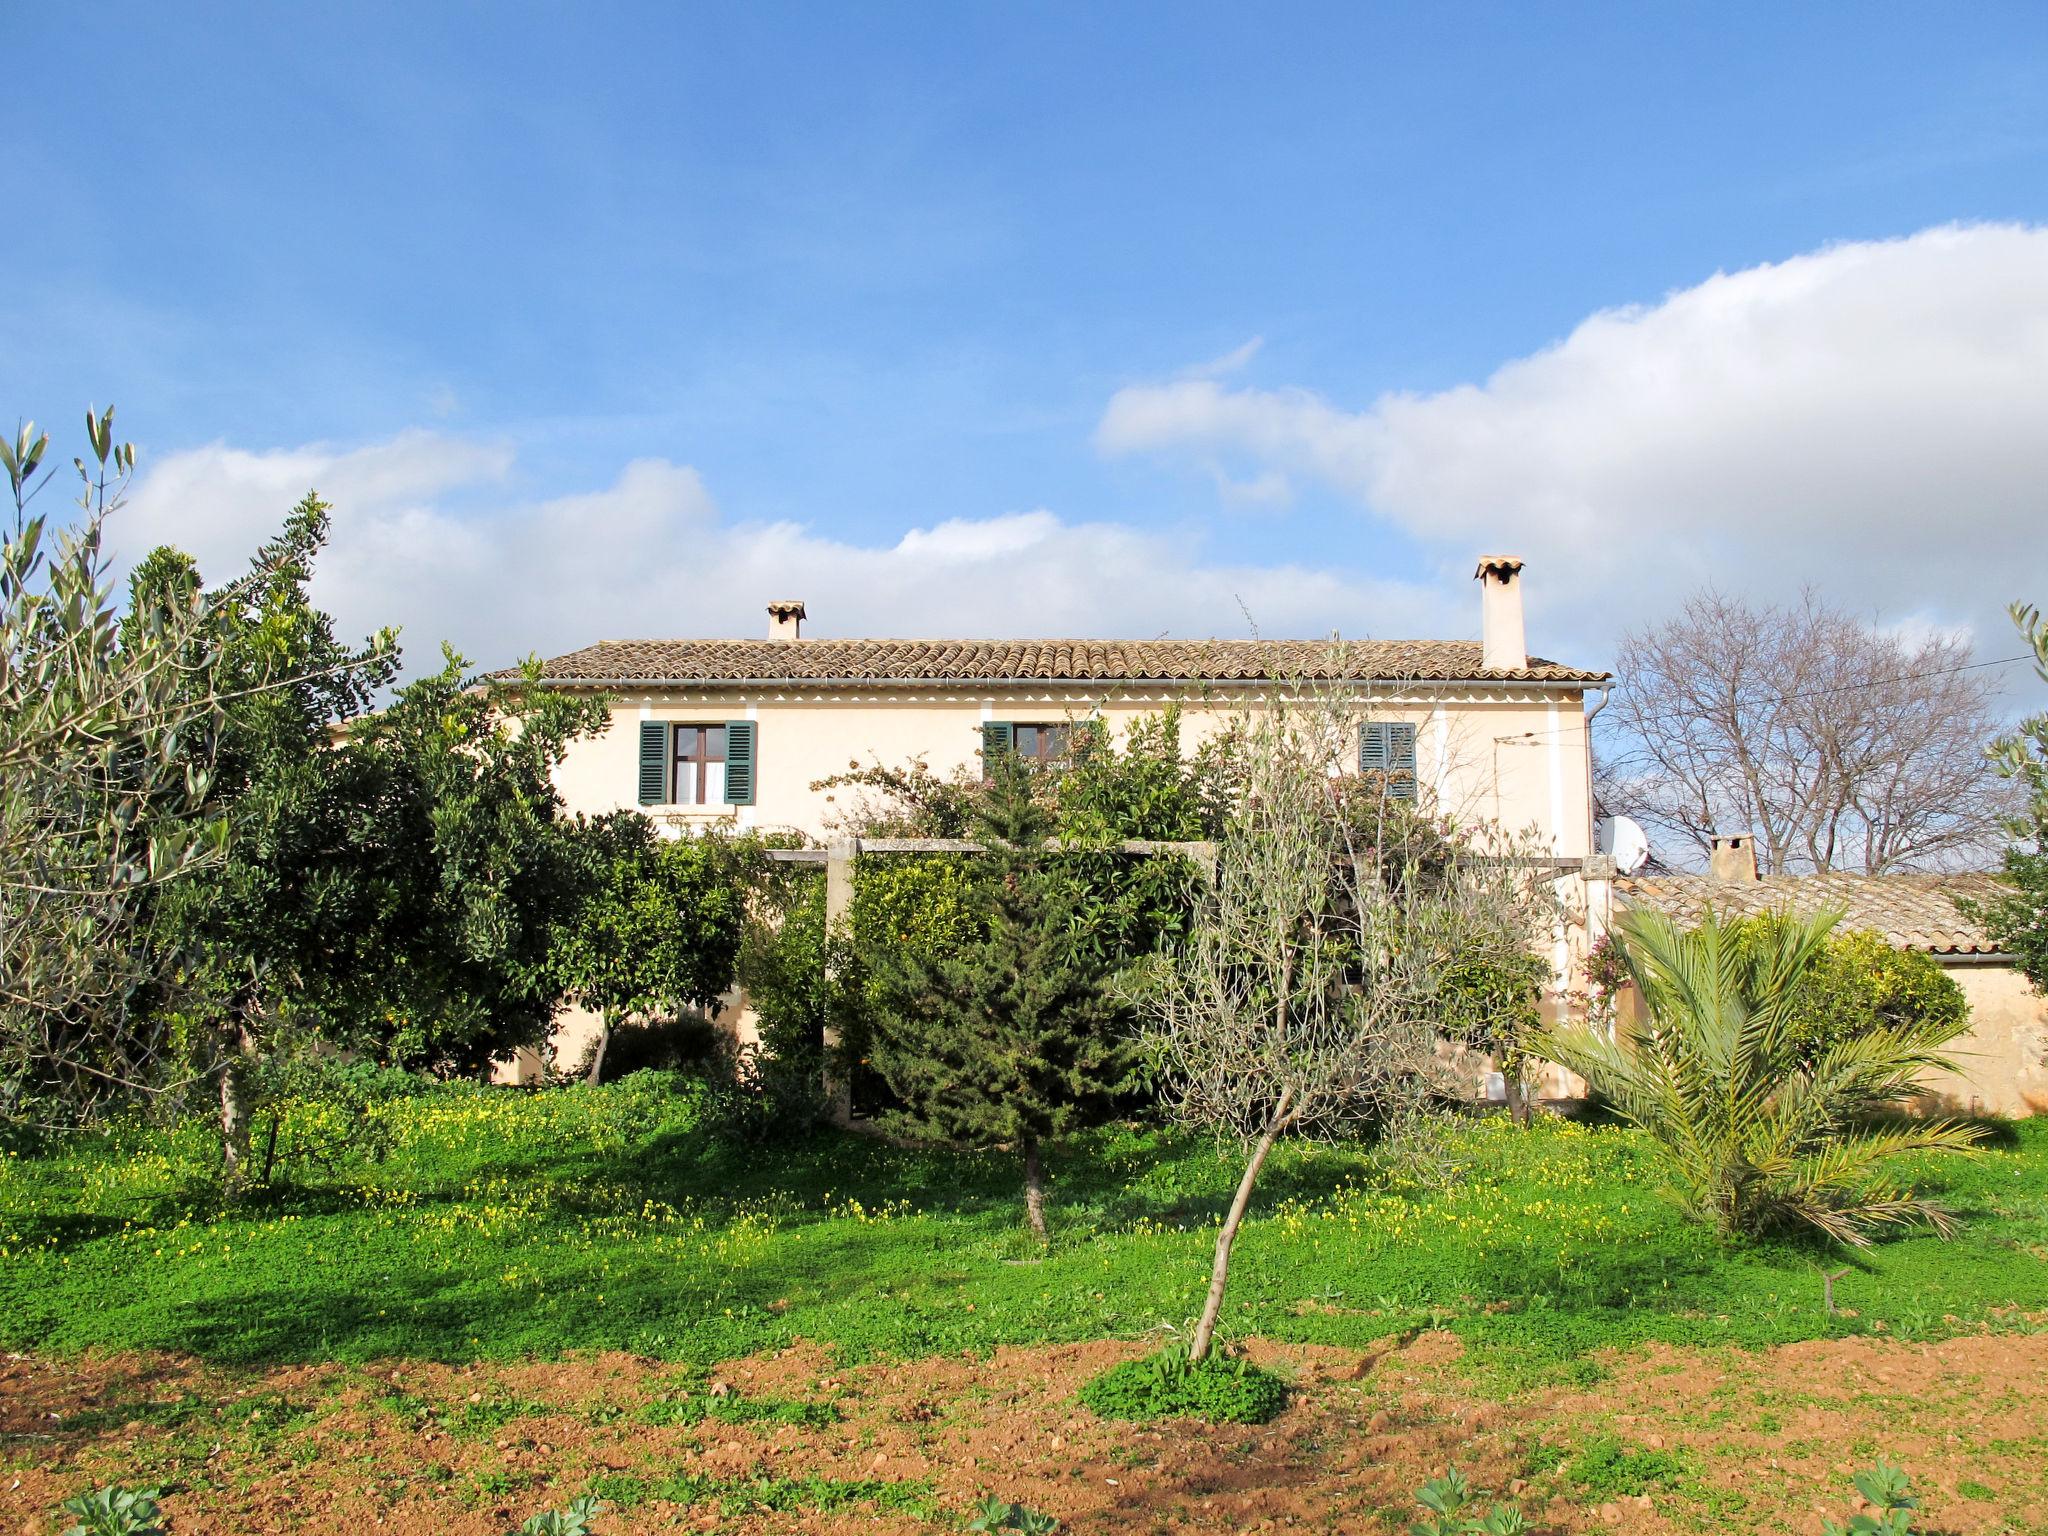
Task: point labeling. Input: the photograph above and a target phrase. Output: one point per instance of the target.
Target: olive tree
(106, 754)
(1306, 998)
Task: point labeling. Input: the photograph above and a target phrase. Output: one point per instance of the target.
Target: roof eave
(1498, 680)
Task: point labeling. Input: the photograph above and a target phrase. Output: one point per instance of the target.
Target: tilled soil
(1720, 1441)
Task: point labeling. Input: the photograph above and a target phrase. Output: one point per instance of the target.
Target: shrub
(1860, 986)
(758, 1098)
(114, 1511)
(1169, 1384)
(1757, 1131)
(661, 1045)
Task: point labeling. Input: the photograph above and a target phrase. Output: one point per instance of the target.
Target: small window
(699, 772)
(1386, 754)
(1040, 745)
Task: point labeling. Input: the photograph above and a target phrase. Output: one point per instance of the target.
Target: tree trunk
(1219, 1270)
(1034, 1188)
(270, 1145)
(237, 1045)
(604, 1039)
(1520, 1110)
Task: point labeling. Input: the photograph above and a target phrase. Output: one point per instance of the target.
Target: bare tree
(1307, 998)
(1838, 745)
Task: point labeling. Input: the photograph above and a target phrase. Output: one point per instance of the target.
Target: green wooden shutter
(1402, 750)
(739, 762)
(997, 736)
(1373, 747)
(1388, 747)
(654, 762)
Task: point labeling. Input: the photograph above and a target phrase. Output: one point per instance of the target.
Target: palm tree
(1755, 1134)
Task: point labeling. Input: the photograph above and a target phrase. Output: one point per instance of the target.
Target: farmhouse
(740, 733)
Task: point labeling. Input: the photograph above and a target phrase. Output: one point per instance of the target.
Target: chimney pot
(786, 619)
(1502, 646)
(1733, 856)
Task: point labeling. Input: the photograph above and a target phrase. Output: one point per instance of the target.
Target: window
(698, 774)
(1386, 752)
(1039, 745)
(697, 764)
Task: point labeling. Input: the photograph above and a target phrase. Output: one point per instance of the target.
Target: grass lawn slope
(487, 1224)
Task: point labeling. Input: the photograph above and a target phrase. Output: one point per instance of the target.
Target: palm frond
(1752, 1133)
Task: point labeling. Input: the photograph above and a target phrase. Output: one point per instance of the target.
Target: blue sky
(1049, 292)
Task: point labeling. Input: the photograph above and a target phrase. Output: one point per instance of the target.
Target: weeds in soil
(114, 1511)
(1450, 1500)
(736, 1496)
(1603, 1468)
(994, 1514)
(571, 1521)
(1220, 1389)
(732, 1408)
(1887, 1488)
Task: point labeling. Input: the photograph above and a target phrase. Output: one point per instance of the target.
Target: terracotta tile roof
(1911, 911)
(834, 661)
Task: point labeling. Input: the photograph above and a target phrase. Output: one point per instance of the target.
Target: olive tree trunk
(1219, 1268)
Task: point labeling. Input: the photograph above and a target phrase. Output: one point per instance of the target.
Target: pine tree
(1011, 1037)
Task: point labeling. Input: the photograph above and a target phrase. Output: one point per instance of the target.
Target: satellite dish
(1625, 843)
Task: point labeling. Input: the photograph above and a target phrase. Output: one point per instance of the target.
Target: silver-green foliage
(1451, 1501)
(114, 1511)
(1890, 1494)
(993, 1514)
(1759, 1129)
(574, 1520)
(106, 753)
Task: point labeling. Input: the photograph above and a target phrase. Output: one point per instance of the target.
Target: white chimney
(1503, 648)
(786, 619)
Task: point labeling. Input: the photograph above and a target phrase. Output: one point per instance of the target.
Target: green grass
(501, 1223)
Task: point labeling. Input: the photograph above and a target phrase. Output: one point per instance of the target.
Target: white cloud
(1871, 417)
(424, 536)
(1230, 362)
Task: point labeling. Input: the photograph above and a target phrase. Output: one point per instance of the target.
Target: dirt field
(1665, 1441)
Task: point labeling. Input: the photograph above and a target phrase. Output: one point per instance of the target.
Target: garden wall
(2004, 1057)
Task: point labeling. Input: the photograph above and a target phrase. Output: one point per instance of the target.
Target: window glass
(1040, 743)
(700, 765)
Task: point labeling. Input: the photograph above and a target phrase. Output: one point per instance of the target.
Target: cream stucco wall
(2004, 1057)
(1513, 755)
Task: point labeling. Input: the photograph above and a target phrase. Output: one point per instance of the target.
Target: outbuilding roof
(656, 662)
(1911, 911)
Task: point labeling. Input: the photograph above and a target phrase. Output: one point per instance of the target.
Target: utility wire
(1816, 693)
